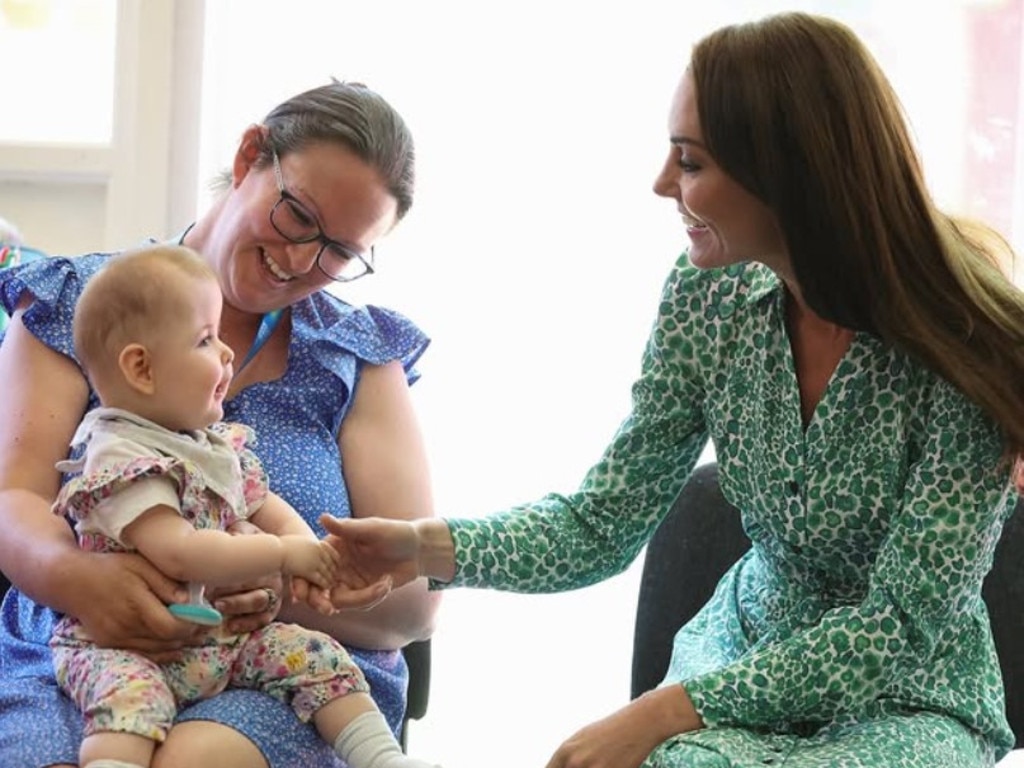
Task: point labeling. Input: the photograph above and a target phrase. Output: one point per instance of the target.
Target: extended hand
(375, 553)
(317, 598)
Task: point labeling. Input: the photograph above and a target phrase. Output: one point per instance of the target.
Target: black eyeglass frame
(343, 251)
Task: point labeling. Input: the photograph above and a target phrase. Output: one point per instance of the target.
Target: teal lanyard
(267, 326)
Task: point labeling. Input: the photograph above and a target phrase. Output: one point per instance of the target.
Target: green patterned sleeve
(923, 597)
(565, 542)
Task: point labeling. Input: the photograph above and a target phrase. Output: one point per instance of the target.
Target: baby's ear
(137, 368)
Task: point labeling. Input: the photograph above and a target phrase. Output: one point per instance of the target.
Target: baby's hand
(311, 559)
(315, 597)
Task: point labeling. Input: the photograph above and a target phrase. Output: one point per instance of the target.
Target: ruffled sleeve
(80, 496)
(371, 334)
(56, 284)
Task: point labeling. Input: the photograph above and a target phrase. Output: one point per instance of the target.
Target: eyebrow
(305, 200)
(310, 205)
(681, 141)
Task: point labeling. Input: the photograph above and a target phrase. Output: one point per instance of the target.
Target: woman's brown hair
(796, 109)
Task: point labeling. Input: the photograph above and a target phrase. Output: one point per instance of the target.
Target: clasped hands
(354, 567)
(372, 555)
(377, 554)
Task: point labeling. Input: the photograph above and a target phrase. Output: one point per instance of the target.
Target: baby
(163, 476)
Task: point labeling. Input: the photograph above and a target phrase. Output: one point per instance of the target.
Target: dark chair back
(417, 656)
(689, 553)
(702, 537)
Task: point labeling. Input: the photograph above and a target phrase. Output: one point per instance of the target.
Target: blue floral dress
(298, 418)
(853, 632)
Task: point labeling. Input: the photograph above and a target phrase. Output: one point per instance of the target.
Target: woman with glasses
(311, 190)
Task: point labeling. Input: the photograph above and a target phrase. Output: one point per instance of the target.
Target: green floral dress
(853, 632)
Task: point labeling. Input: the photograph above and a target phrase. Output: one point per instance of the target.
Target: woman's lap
(271, 725)
(918, 740)
(39, 726)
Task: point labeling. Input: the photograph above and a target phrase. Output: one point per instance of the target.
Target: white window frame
(148, 173)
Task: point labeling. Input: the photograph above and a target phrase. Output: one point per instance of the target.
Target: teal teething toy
(197, 609)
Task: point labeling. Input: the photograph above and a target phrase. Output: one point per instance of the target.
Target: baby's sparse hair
(128, 300)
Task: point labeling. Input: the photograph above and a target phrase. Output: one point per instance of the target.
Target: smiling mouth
(689, 221)
(275, 269)
(222, 388)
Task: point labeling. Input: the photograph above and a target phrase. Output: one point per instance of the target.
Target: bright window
(57, 60)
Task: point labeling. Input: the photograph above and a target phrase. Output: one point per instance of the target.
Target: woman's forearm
(38, 552)
(437, 549)
(41, 408)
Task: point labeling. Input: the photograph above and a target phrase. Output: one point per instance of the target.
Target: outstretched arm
(400, 551)
(215, 557)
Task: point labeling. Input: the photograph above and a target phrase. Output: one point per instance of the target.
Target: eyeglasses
(297, 224)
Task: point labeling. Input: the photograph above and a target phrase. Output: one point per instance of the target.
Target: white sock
(106, 763)
(367, 742)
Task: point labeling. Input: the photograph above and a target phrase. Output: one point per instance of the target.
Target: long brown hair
(796, 109)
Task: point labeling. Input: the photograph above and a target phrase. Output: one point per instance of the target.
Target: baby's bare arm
(277, 516)
(212, 557)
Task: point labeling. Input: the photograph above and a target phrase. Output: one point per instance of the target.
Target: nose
(301, 257)
(227, 354)
(666, 183)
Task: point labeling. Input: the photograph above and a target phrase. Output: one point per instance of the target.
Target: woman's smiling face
(726, 223)
(259, 269)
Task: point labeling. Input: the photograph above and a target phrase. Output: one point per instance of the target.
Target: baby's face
(191, 365)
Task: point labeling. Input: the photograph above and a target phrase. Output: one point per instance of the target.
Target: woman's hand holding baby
(135, 617)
